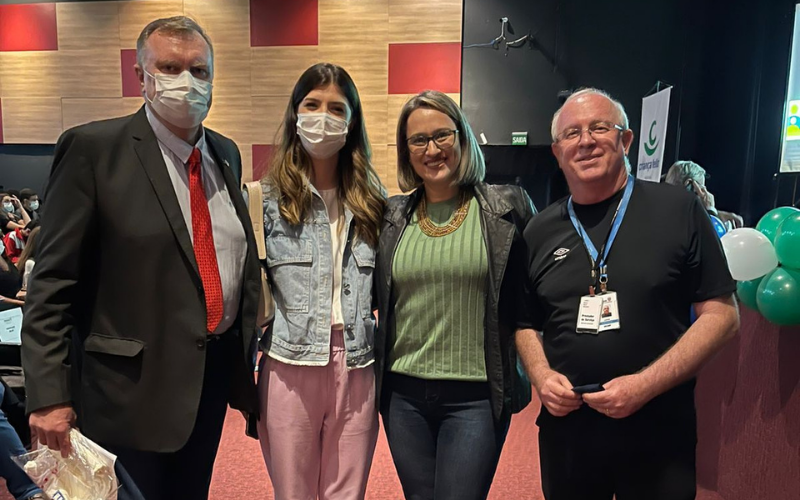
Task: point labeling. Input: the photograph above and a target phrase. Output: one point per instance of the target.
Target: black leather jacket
(505, 211)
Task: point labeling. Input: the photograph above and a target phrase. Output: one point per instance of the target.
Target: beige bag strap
(255, 206)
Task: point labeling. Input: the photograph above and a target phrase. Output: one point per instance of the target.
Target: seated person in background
(15, 240)
(9, 220)
(18, 483)
(693, 177)
(30, 202)
(10, 282)
(27, 260)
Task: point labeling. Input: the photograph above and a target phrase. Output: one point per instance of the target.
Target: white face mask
(34, 205)
(181, 100)
(8, 207)
(322, 134)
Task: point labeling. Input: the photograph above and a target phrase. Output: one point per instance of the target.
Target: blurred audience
(30, 202)
(16, 240)
(12, 214)
(10, 282)
(693, 177)
(27, 260)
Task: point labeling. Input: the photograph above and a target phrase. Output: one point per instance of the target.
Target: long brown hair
(359, 184)
(29, 252)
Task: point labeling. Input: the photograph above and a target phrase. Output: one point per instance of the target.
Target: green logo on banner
(652, 142)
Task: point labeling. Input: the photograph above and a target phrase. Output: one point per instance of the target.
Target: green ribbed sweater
(439, 286)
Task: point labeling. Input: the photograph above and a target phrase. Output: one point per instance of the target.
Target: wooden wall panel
(267, 117)
(93, 72)
(226, 21)
(31, 120)
(44, 92)
(375, 117)
(231, 117)
(246, 151)
(135, 15)
(390, 177)
(84, 25)
(356, 24)
(131, 105)
(368, 66)
(425, 21)
(232, 71)
(275, 70)
(30, 74)
(79, 111)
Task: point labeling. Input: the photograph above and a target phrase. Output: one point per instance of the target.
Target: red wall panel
(748, 414)
(262, 155)
(130, 82)
(414, 67)
(28, 27)
(283, 22)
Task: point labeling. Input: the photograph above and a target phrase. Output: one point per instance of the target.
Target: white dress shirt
(229, 237)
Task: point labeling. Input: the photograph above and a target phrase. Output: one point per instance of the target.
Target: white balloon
(750, 254)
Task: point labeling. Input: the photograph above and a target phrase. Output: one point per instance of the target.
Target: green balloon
(747, 291)
(787, 242)
(778, 297)
(768, 224)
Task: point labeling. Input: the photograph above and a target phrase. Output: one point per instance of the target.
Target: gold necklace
(458, 217)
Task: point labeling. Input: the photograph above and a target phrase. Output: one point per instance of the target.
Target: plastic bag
(86, 474)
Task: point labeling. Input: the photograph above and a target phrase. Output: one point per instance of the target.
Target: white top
(338, 239)
(229, 237)
(26, 273)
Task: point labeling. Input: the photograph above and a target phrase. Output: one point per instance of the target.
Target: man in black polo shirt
(613, 273)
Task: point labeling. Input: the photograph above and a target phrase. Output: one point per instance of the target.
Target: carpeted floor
(240, 473)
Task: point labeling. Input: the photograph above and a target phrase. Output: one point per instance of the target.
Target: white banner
(653, 135)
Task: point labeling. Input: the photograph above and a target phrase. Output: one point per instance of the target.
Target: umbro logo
(561, 253)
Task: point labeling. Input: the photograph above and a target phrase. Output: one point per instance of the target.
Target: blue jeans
(18, 483)
(443, 437)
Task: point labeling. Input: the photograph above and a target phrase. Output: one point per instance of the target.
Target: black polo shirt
(666, 257)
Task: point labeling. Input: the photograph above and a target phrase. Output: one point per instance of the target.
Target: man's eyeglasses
(596, 131)
(444, 139)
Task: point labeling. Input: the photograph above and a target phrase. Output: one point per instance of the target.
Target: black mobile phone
(585, 389)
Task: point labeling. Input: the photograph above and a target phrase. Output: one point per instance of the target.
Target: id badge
(609, 312)
(589, 312)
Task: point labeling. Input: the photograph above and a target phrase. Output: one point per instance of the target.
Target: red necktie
(204, 251)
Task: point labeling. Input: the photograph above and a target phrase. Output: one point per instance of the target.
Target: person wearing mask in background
(30, 202)
(10, 281)
(692, 177)
(16, 240)
(27, 260)
(161, 317)
(617, 392)
(323, 203)
(9, 220)
(449, 255)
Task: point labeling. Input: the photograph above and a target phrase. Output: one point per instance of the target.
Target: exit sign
(519, 138)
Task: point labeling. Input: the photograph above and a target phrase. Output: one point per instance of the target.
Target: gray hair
(178, 25)
(472, 168)
(683, 171)
(623, 117)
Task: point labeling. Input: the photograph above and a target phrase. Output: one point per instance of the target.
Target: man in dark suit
(140, 317)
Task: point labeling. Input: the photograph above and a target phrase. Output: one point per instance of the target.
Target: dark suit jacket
(115, 319)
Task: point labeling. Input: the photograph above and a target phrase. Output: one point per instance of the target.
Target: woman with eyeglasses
(448, 257)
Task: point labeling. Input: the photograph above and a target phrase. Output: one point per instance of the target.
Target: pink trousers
(318, 427)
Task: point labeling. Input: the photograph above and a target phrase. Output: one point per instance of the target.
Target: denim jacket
(299, 267)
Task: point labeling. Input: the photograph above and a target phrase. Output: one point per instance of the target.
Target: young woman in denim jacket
(323, 203)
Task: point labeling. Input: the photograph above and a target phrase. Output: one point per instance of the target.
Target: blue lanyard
(616, 222)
